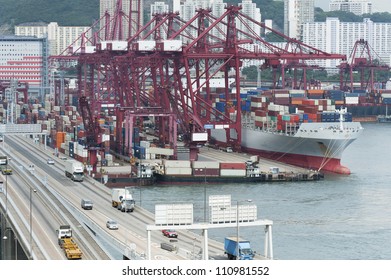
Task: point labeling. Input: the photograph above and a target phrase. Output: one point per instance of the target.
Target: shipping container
(178, 171)
(199, 172)
(177, 163)
(232, 165)
(205, 164)
(232, 172)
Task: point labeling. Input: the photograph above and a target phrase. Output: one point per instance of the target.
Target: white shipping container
(68, 137)
(174, 214)
(199, 136)
(220, 200)
(146, 45)
(178, 171)
(145, 144)
(85, 153)
(115, 45)
(232, 213)
(120, 45)
(281, 95)
(233, 172)
(297, 91)
(206, 164)
(172, 45)
(79, 147)
(90, 49)
(65, 119)
(256, 104)
(218, 214)
(177, 163)
(386, 95)
(105, 137)
(161, 151)
(351, 100)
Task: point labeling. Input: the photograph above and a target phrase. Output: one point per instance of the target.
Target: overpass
(38, 198)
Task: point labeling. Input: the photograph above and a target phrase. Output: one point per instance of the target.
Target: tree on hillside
(320, 16)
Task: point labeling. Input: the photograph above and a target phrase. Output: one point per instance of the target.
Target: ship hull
(311, 162)
(316, 146)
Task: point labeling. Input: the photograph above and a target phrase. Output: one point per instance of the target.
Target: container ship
(310, 133)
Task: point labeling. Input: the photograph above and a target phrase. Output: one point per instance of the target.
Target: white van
(86, 204)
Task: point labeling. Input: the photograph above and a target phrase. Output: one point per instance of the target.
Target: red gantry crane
(363, 60)
(166, 70)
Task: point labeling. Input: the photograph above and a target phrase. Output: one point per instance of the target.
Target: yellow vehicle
(66, 242)
(6, 171)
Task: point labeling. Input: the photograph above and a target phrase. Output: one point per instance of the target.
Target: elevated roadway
(40, 198)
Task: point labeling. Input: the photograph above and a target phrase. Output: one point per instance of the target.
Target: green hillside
(86, 12)
(65, 12)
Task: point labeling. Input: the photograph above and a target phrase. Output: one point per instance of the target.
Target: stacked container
(233, 169)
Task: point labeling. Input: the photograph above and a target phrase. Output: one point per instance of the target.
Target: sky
(377, 5)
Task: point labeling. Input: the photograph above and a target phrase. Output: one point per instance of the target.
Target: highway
(54, 200)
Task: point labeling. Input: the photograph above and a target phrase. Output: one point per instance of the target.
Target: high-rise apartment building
(358, 7)
(59, 37)
(218, 8)
(250, 9)
(296, 13)
(131, 22)
(24, 59)
(159, 8)
(334, 36)
(188, 10)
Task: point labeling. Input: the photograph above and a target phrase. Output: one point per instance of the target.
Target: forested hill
(65, 12)
(86, 12)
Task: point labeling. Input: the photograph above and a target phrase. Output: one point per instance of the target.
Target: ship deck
(211, 154)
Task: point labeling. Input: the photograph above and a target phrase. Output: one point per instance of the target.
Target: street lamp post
(31, 222)
(5, 237)
(237, 225)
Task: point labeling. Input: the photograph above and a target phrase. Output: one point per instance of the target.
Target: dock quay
(212, 166)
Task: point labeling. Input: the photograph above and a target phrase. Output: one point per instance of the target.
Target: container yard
(154, 123)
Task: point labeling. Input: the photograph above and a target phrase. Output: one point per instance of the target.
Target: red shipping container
(258, 124)
(232, 165)
(282, 100)
(260, 113)
(199, 172)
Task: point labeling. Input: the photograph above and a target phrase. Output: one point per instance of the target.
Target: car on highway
(170, 233)
(110, 224)
(50, 161)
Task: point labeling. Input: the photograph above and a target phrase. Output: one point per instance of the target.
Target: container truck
(4, 168)
(122, 199)
(75, 170)
(66, 242)
(231, 247)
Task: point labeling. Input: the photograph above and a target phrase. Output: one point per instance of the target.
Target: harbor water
(343, 217)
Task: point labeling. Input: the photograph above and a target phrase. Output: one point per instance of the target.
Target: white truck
(75, 170)
(122, 199)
